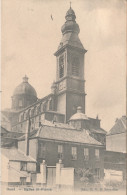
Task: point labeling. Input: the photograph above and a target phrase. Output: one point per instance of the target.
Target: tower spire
(70, 4)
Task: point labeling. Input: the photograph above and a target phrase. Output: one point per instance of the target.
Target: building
(115, 157)
(17, 168)
(117, 134)
(5, 123)
(67, 92)
(76, 148)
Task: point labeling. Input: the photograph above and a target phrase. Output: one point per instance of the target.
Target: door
(51, 176)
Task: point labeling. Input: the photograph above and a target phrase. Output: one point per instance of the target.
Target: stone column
(43, 172)
(59, 165)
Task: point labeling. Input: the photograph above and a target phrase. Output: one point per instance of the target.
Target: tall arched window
(20, 117)
(41, 107)
(38, 109)
(75, 66)
(32, 112)
(24, 115)
(50, 104)
(61, 66)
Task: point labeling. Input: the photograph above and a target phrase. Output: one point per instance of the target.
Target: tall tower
(70, 68)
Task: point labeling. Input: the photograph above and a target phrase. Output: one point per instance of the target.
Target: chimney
(27, 137)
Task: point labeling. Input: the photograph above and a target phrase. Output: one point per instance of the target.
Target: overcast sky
(30, 38)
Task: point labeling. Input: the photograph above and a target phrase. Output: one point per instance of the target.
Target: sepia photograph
(63, 97)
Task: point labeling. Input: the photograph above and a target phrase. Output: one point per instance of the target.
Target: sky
(30, 38)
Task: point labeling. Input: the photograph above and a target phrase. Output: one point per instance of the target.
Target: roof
(3, 130)
(99, 130)
(25, 88)
(13, 154)
(119, 127)
(63, 134)
(79, 116)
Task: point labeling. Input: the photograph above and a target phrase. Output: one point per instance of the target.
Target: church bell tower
(70, 68)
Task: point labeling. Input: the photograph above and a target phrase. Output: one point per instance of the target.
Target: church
(57, 125)
(66, 102)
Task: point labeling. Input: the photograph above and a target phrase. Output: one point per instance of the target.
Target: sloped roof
(100, 130)
(119, 127)
(3, 130)
(14, 154)
(70, 135)
(63, 134)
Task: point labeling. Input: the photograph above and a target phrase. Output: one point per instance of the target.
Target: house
(16, 167)
(117, 134)
(115, 157)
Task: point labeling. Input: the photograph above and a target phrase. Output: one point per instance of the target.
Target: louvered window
(75, 66)
(61, 66)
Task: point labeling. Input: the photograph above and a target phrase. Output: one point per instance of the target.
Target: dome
(70, 24)
(79, 115)
(70, 15)
(25, 88)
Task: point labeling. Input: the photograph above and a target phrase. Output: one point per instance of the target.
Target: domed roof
(70, 12)
(25, 88)
(79, 115)
(70, 24)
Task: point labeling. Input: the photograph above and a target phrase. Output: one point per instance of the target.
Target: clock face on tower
(62, 85)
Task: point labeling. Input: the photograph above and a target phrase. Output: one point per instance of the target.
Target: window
(35, 111)
(55, 118)
(61, 66)
(38, 109)
(24, 115)
(20, 117)
(50, 104)
(32, 112)
(42, 150)
(75, 66)
(42, 107)
(23, 180)
(86, 153)
(97, 173)
(23, 166)
(74, 153)
(60, 151)
(20, 103)
(97, 153)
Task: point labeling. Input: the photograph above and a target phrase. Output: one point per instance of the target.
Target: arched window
(50, 104)
(41, 107)
(61, 66)
(38, 109)
(75, 66)
(55, 118)
(35, 110)
(32, 112)
(28, 113)
(20, 103)
(44, 106)
(24, 115)
(20, 117)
